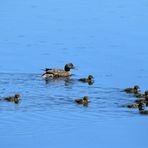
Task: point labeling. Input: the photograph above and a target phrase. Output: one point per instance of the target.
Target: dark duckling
(134, 90)
(88, 80)
(83, 101)
(15, 98)
(142, 101)
(142, 109)
(142, 95)
(56, 73)
(132, 105)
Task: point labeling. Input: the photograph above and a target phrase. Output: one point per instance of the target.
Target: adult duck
(56, 73)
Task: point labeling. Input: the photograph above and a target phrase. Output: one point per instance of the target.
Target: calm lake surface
(107, 39)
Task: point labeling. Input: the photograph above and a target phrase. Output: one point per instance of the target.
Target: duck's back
(79, 101)
(9, 98)
(59, 72)
(83, 79)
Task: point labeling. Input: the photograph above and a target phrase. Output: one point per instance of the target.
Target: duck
(134, 90)
(139, 95)
(15, 98)
(88, 80)
(142, 109)
(142, 101)
(132, 105)
(56, 73)
(83, 101)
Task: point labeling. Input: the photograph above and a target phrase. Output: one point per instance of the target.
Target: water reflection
(67, 81)
(57, 93)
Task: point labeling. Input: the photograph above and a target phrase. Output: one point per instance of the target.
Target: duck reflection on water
(67, 81)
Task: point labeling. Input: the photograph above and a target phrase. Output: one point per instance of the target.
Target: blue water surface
(107, 39)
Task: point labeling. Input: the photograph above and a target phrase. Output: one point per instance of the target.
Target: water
(107, 39)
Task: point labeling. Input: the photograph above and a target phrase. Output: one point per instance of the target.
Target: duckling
(55, 73)
(145, 112)
(140, 101)
(141, 109)
(88, 80)
(134, 90)
(139, 95)
(15, 98)
(132, 105)
(83, 101)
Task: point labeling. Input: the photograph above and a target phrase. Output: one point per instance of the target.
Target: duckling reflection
(134, 90)
(84, 101)
(15, 98)
(67, 81)
(88, 80)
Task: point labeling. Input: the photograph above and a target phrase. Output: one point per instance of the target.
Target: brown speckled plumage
(134, 90)
(83, 101)
(56, 73)
(15, 98)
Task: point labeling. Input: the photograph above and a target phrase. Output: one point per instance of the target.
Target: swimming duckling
(83, 101)
(88, 80)
(15, 98)
(132, 105)
(55, 73)
(134, 90)
(142, 95)
(140, 101)
(145, 112)
(141, 109)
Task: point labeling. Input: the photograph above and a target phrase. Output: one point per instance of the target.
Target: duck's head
(136, 87)
(146, 93)
(85, 99)
(69, 66)
(90, 77)
(141, 106)
(16, 98)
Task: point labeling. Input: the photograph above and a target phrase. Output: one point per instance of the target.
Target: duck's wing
(55, 70)
(59, 73)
